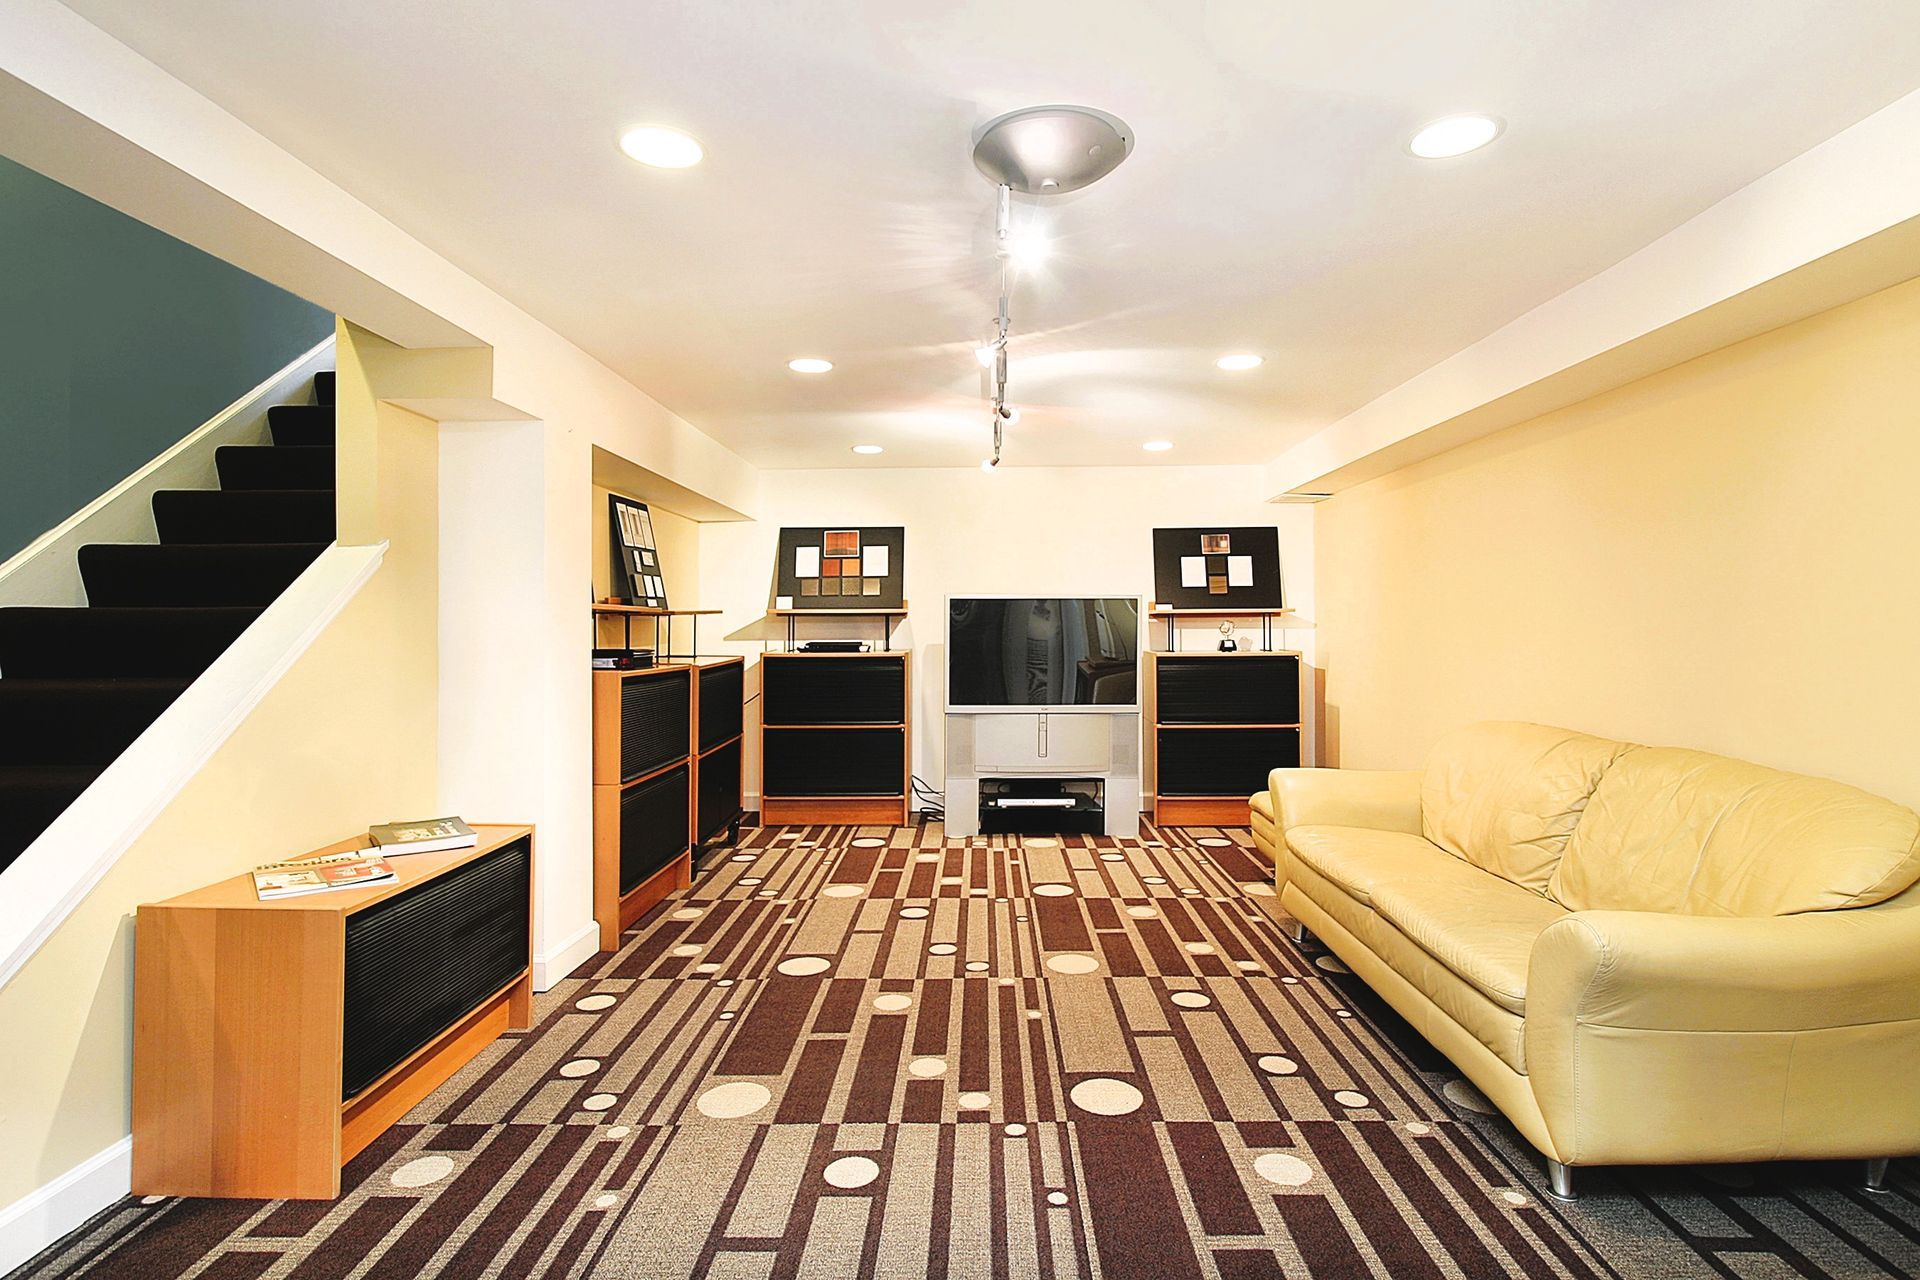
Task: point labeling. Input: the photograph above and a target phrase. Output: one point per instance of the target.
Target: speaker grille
(833, 762)
(654, 711)
(719, 786)
(420, 961)
(1223, 762)
(865, 690)
(1239, 690)
(720, 700)
(653, 826)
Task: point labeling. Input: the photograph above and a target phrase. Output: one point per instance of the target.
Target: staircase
(78, 684)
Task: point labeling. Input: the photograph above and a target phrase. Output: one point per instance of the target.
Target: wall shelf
(1271, 620)
(887, 619)
(628, 612)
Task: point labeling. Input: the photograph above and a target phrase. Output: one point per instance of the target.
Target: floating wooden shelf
(648, 611)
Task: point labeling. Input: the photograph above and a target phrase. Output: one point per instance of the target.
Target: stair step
(244, 515)
(301, 424)
(33, 796)
(267, 466)
(38, 641)
(71, 721)
(143, 575)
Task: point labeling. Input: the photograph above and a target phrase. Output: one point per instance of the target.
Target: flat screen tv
(1029, 653)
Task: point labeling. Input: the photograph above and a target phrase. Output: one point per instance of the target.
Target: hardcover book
(426, 835)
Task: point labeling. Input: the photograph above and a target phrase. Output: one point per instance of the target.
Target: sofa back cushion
(1505, 795)
(1683, 831)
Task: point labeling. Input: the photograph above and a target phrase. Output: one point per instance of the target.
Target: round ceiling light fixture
(1455, 136)
(810, 364)
(1157, 446)
(868, 448)
(1047, 151)
(661, 147)
(1240, 362)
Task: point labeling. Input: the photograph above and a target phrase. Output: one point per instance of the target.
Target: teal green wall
(115, 341)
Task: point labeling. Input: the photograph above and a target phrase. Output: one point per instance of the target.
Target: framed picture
(637, 576)
(1217, 568)
(841, 568)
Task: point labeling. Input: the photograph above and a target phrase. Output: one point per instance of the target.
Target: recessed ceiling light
(809, 364)
(1157, 446)
(661, 147)
(868, 448)
(1240, 362)
(1455, 136)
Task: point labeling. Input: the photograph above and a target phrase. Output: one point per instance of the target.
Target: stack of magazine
(361, 868)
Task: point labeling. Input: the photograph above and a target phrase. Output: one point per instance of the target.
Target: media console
(1067, 771)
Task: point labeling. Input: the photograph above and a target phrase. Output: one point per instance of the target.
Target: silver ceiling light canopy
(1037, 151)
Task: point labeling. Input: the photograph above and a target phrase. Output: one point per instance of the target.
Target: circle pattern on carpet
(423, 1172)
(1191, 999)
(1462, 1094)
(850, 1172)
(1072, 962)
(1275, 1064)
(594, 1004)
(1107, 1097)
(1283, 1170)
(843, 891)
(580, 1067)
(734, 1100)
(1053, 890)
(892, 1002)
(600, 1102)
(803, 966)
(927, 1068)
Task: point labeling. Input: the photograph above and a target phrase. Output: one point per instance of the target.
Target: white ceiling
(1269, 205)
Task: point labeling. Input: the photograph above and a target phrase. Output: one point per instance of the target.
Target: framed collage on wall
(841, 567)
(637, 576)
(1217, 567)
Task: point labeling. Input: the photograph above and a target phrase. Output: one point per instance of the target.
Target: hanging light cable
(1037, 151)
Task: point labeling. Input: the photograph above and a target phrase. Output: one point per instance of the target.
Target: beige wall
(1725, 555)
(344, 740)
(1044, 530)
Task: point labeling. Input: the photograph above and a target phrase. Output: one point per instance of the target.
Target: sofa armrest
(1384, 800)
(1653, 971)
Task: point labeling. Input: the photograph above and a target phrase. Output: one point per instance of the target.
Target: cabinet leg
(1876, 1175)
(1300, 933)
(1560, 1181)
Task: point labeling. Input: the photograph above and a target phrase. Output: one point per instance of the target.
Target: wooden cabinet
(719, 712)
(642, 792)
(1217, 724)
(273, 1041)
(835, 737)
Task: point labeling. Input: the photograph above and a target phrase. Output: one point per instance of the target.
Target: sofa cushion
(1499, 1028)
(1479, 926)
(1360, 859)
(1683, 831)
(1505, 796)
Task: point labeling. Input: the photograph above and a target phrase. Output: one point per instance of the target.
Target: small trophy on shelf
(1227, 642)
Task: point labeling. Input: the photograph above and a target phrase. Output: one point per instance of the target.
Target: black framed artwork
(841, 567)
(1217, 567)
(637, 576)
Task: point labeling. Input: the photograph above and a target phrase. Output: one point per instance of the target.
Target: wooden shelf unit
(253, 1020)
(822, 711)
(628, 612)
(1271, 620)
(1216, 725)
(642, 791)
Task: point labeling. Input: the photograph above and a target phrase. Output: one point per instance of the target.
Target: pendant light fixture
(1037, 151)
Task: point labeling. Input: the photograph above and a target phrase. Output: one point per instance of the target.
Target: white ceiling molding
(1836, 223)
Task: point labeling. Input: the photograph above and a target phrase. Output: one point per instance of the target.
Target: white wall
(1040, 530)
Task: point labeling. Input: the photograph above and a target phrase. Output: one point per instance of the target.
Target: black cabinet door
(833, 762)
(654, 715)
(1246, 689)
(1223, 762)
(653, 825)
(802, 691)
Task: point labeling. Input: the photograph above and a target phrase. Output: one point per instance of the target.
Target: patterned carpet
(873, 1052)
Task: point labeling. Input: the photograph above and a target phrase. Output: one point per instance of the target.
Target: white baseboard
(557, 962)
(41, 1217)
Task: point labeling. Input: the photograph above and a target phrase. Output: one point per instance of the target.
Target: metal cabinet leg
(1300, 933)
(1560, 1181)
(1876, 1177)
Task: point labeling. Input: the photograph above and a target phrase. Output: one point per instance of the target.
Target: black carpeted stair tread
(78, 721)
(39, 641)
(267, 466)
(244, 515)
(147, 575)
(33, 796)
(323, 387)
(301, 424)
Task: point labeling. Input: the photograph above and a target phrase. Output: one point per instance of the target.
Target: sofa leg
(1876, 1179)
(1300, 933)
(1560, 1181)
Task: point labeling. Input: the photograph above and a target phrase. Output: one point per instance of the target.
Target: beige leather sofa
(1641, 955)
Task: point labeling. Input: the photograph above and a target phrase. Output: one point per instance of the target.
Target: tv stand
(1063, 771)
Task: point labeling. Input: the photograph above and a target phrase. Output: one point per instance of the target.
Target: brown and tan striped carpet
(875, 1052)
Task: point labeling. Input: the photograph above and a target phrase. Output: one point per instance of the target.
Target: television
(1043, 653)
